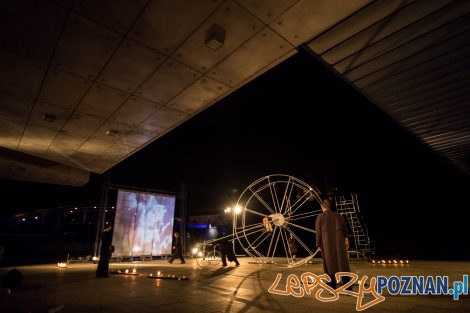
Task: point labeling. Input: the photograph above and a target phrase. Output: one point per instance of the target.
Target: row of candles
(160, 275)
(133, 272)
(390, 262)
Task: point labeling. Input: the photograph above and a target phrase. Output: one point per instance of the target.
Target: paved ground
(214, 289)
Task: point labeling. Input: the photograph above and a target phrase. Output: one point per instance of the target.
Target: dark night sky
(298, 119)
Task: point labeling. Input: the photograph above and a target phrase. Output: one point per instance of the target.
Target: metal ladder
(349, 208)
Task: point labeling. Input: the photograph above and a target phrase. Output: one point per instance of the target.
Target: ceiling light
(215, 37)
(111, 132)
(48, 118)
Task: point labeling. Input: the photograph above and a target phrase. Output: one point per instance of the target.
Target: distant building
(205, 227)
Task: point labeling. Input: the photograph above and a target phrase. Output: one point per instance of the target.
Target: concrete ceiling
(411, 58)
(86, 83)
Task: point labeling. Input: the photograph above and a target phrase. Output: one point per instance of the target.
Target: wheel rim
(291, 207)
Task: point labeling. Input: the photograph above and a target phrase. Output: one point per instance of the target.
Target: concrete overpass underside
(85, 84)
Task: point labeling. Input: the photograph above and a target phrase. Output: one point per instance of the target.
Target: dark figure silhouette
(332, 240)
(106, 250)
(178, 249)
(226, 251)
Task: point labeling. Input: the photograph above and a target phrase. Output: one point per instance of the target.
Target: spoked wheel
(270, 211)
(214, 258)
(208, 257)
(202, 260)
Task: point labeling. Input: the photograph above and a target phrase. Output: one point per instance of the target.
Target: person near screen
(106, 251)
(332, 240)
(178, 249)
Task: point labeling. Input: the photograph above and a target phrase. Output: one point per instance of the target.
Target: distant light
(94, 207)
(407, 262)
(136, 249)
(62, 265)
(107, 222)
(95, 258)
(199, 254)
(389, 262)
(76, 208)
(401, 261)
(35, 217)
(373, 261)
(112, 207)
(106, 210)
(134, 271)
(238, 209)
(23, 219)
(127, 271)
(71, 211)
(195, 250)
(159, 273)
(227, 210)
(395, 261)
(210, 225)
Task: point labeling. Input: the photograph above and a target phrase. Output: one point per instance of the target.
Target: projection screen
(143, 224)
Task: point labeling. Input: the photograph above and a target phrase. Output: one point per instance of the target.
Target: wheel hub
(278, 219)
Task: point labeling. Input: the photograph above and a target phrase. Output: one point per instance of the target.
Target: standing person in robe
(332, 240)
(292, 246)
(178, 249)
(106, 251)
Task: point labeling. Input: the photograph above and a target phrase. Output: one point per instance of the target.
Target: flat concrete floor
(46, 288)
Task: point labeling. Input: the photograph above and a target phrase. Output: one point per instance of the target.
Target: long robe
(292, 245)
(331, 231)
(178, 252)
(226, 252)
(105, 254)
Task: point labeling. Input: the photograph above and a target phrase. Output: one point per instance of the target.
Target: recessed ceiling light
(111, 132)
(215, 37)
(48, 117)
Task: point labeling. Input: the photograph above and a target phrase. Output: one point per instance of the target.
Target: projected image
(143, 224)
